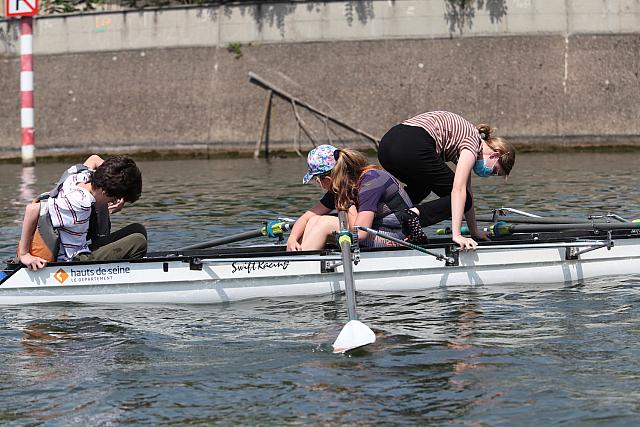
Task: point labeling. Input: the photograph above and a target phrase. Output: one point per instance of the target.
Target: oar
(354, 334)
(271, 229)
(502, 228)
(409, 245)
(505, 228)
(446, 231)
(529, 220)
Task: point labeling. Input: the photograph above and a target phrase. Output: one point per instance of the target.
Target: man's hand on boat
(32, 262)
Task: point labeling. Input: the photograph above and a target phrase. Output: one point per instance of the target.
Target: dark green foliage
(236, 49)
(48, 7)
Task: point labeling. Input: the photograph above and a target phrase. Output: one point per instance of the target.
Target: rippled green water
(512, 355)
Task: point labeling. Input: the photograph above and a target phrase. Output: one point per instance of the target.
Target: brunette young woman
(416, 152)
(369, 194)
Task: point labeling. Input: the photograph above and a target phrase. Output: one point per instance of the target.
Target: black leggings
(409, 154)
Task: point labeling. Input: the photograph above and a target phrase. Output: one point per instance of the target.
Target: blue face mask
(480, 168)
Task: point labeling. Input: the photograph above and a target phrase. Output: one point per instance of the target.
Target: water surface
(511, 355)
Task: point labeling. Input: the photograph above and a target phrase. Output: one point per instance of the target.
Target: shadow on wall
(460, 13)
(271, 13)
(9, 37)
(362, 9)
(274, 14)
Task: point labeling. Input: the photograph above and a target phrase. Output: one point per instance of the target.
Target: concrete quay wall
(544, 72)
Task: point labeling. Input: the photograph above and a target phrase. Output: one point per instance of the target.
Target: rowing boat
(204, 276)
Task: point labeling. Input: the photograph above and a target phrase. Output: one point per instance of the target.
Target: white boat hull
(203, 280)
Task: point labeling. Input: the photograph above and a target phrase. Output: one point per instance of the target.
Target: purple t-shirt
(380, 193)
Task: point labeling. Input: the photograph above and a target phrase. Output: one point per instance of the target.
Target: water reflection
(27, 186)
(481, 356)
(67, 355)
(39, 339)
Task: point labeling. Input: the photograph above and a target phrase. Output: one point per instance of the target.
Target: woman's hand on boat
(293, 245)
(465, 242)
(32, 262)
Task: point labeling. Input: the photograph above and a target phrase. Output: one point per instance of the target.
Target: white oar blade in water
(354, 334)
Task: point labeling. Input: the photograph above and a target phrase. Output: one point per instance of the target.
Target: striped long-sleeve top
(70, 213)
(451, 132)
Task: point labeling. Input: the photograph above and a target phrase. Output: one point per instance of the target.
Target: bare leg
(318, 229)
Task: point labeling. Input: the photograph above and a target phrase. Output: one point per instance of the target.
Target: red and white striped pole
(26, 91)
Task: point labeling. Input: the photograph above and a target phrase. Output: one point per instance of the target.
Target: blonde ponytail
(506, 149)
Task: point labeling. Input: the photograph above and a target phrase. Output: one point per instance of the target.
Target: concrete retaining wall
(162, 79)
(296, 22)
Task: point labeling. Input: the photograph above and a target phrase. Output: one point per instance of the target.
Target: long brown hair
(345, 177)
(499, 145)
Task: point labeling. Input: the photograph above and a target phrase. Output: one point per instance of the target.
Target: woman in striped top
(415, 152)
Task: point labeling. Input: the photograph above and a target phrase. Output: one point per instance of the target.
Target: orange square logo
(61, 276)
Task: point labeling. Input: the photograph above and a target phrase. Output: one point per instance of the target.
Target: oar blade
(355, 334)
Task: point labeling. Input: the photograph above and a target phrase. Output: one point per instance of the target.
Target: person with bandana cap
(415, 152)
(368, 193)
